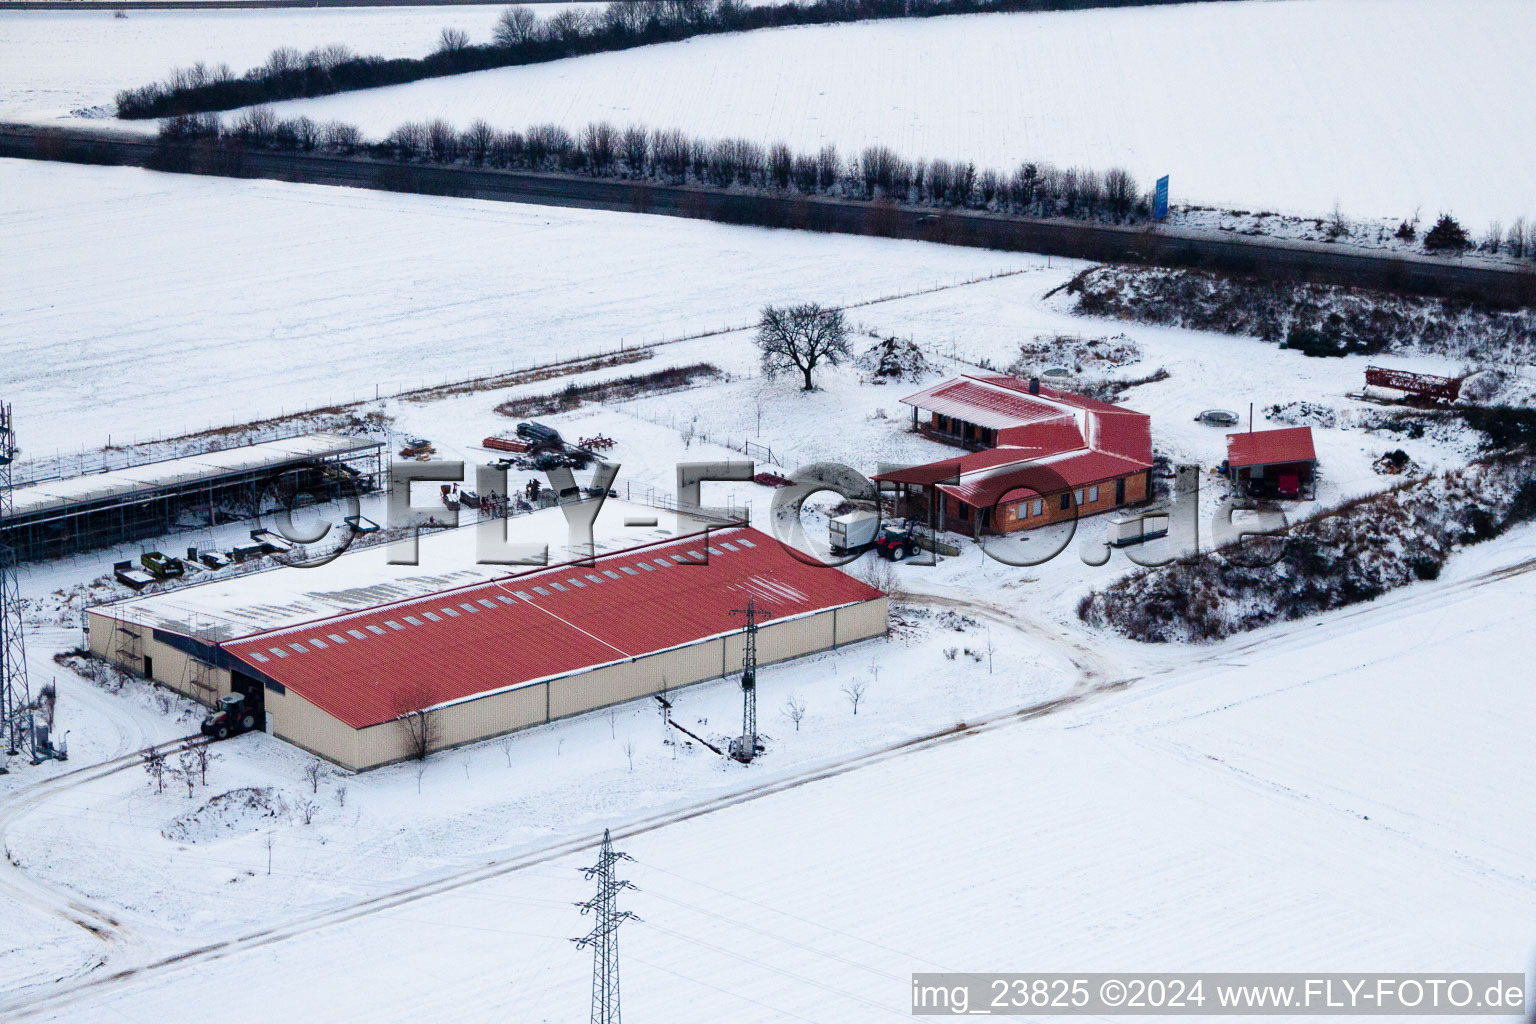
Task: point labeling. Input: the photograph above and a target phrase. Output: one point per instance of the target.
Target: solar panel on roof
(259, 656)
(594, 579)
(541, 591)
(504, 599)
(628, 571)
(335, 639)
(317, 644)
(392, 624)
(413, 620)
(300, 648)
(430, 617)
(488, 604)
(575, 582)
(713, 551)
(375, 630)
(697, 556)
(555, 586)
(468, 607)
(523, 594)
(610, 574)
(727, 545)
(355, 633)
(449, 612)
(647, 566)
(663, 563)
(745, 543)
(278, 651)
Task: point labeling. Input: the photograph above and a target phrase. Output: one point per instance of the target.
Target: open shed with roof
(501, 652)
(1272, 463)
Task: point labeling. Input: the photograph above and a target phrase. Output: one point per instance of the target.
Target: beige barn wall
(301, 723)
(172, 667)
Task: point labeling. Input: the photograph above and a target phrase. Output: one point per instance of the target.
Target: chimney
(1034, 385)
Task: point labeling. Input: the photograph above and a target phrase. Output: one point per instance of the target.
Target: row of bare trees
(1034, 188)
(521, 36)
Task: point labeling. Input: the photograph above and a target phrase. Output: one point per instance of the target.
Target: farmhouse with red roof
(1040, 455)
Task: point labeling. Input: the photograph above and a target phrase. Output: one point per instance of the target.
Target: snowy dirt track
(1318, 794)
(1387, 106)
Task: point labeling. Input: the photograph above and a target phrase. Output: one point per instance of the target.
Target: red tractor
(231, 719)
(896, 543)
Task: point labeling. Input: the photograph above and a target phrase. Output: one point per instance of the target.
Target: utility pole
(604, 936)
(15, 716)
(744, 747)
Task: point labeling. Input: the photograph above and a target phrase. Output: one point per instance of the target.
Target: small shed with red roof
(1272, 463)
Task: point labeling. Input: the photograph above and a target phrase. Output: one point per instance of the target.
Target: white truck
(852, 532)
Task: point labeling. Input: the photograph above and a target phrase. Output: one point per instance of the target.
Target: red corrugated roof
(1080, 470)
(977, 400)
(1270, 447)
(366, 667)
(1112, 442)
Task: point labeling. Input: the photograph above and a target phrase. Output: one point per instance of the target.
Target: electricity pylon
(15, 698)
(604, 936)
(744, 749)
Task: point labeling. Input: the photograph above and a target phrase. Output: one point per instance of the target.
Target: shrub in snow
(1343, 556)
(1446, 236)
(1320, 319)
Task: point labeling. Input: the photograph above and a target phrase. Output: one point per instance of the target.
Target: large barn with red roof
(1037, 455)
(498, 653)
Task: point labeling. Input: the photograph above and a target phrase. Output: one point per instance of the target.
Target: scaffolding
(54, 519)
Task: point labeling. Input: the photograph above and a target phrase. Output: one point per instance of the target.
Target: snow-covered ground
(257, 298)
(1381, 105)
(1344, 790)
(55, 62)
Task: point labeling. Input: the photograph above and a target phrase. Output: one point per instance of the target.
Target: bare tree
(801, 338)
(269, 841)
(629, 752)
(452, 40)
(506, 749)
(421, 769)
(568, 25)
(1494, 238)
(1515, 242)
(613, 723)
(307, 809)
(854, 690)
(186, 771)
(417, 721)
(515, 26)
(312, 773)
(155, 767)
(794, 710)
(341, 795)
(991, 649)
(477, 141)
(203, 756)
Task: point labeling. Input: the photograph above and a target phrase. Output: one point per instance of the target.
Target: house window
(1093, 494)
(1039, 506)
(1077, 496)
(965, 512)
(1066, 501)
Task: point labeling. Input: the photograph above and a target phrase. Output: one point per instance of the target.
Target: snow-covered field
(56, 62)
(1386, 106)
(201, 300)
(1325, 793)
